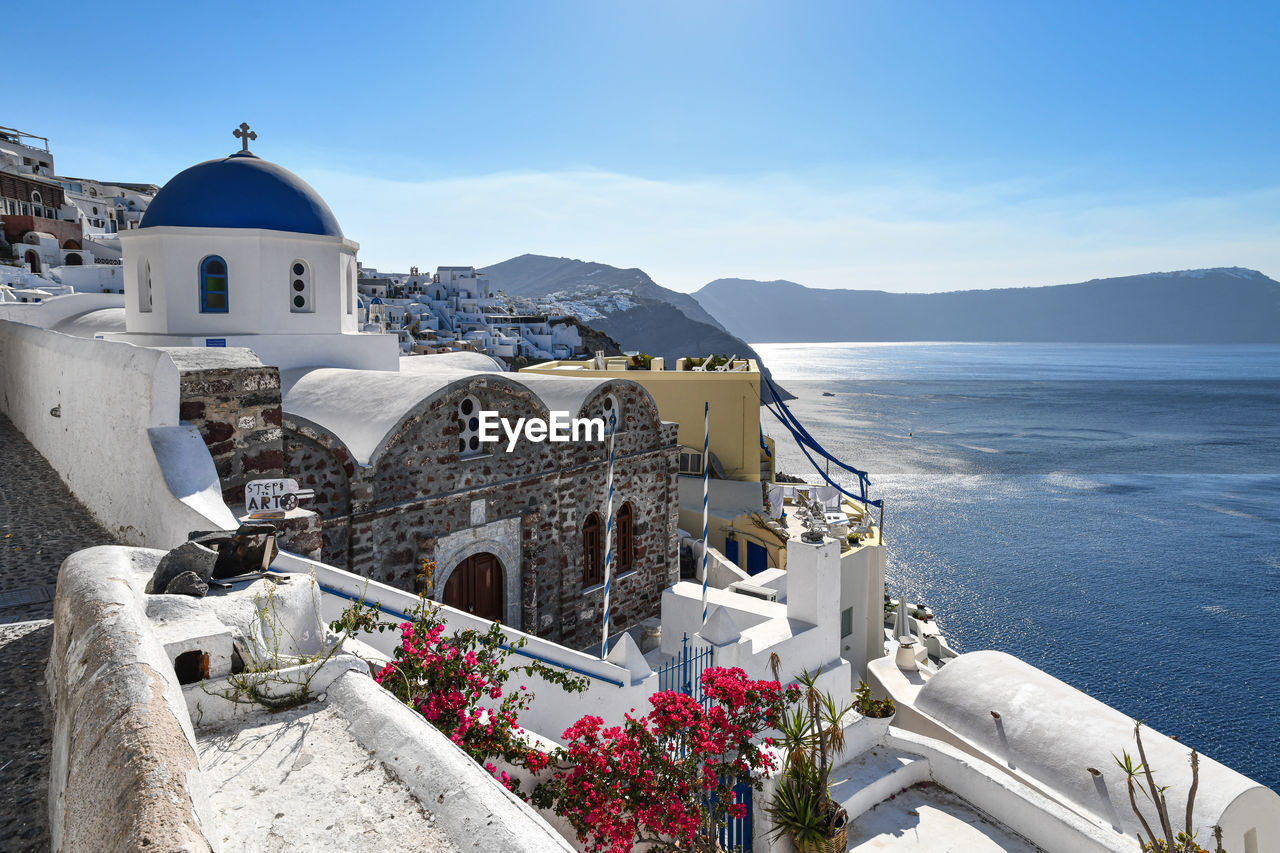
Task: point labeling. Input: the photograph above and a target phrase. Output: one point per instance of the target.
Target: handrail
(399, 615)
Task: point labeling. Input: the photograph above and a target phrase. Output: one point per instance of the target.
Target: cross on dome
(244, 134)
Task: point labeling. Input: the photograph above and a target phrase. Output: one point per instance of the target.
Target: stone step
(871, 776)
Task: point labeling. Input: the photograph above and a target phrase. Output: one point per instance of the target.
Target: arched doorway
(33, 259)
(73, 260)
(72, 244)
(475, 586)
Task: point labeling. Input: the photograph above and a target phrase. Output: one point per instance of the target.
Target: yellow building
(747, 532)
(741, 458)
(733, 390)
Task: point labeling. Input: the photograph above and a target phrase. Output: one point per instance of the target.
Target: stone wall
(234, 400)
(124, 773)
(383, 520)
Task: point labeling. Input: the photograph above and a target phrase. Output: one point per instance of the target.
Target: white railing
(612, 688)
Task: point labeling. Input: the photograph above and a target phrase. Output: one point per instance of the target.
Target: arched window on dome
(144, 286)
(351, 288)
(214, 297)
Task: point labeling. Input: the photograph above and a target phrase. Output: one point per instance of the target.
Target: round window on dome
(301, 300)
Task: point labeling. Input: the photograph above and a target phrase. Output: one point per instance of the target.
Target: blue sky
(893, 145)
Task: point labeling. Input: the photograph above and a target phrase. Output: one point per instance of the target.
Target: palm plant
(1139, 772)
(811, 737)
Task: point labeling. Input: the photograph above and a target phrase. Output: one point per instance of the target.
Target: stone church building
(402, 482)
(242, 271)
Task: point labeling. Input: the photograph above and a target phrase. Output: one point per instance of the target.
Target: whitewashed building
(238, 251)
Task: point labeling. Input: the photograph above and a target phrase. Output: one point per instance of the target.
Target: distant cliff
(540, 275)
(625, 304)
(1230, 305)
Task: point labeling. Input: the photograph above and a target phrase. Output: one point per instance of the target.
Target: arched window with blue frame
(213, 286)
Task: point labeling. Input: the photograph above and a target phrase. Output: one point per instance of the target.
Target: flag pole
(608, 540)
(706, 475)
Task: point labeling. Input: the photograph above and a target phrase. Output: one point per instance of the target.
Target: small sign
(270, 498)
(215, 342)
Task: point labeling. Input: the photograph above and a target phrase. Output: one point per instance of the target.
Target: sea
(1108, 513)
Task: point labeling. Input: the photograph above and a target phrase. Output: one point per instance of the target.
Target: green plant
(811, 737)
(1139, 772)
(270, 676)
(711, 362)
(798, 811)
(868, 707)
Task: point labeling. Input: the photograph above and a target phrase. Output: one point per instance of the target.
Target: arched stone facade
(417, 499)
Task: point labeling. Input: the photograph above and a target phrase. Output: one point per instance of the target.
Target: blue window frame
(214, 297)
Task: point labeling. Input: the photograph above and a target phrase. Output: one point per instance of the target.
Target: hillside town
(62, 236)
(311, 606)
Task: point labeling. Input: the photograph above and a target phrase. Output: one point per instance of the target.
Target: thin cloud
(911, 235)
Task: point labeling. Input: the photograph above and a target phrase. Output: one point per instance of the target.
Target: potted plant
(876, 715)
(811, 737)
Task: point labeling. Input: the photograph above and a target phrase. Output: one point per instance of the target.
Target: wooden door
(476, 587)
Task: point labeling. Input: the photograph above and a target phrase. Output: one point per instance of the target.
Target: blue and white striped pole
(608, 540)
(706, 474)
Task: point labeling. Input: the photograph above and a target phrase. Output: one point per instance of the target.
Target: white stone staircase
(870, 777)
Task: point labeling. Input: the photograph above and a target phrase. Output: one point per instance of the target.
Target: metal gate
(683, 674)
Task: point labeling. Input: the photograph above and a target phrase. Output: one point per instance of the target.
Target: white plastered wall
(259, 265)
(93, 409)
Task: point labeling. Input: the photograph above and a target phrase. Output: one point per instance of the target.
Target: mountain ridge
(1216, 305)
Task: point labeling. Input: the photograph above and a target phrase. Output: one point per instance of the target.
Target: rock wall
(234, 400)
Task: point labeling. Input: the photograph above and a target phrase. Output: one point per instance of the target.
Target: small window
(612, 414)
(846, 622)
(625, 548)
(36, 199)
(691, 462)
(592, 556)
(144, 286)
(469, 428)
(300, 298)
(214, 293)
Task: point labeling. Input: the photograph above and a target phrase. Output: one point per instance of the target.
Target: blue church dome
(241, 191)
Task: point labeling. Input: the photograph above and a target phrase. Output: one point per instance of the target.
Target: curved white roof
(100, 322)
(475, 362)
(362, 407)
(1053, 733)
